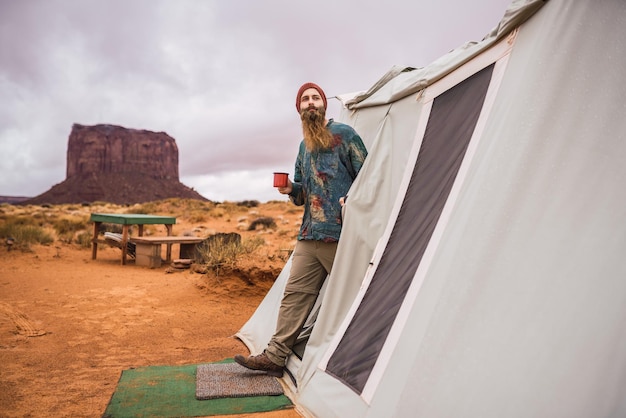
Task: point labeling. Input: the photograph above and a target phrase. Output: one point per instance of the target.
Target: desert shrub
(83, 239)
(231, 208)
(197, 211)
(218, 212)
(42, 218)
(197, 217)
(252, 244)
(144, 208)
(24, 235)
(263, 222)
(69, 226)
(225, 251)
(249, 203)
(17, 220)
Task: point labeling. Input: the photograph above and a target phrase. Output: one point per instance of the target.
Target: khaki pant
(311, 263)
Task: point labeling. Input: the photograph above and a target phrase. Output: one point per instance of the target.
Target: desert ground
(69, 325)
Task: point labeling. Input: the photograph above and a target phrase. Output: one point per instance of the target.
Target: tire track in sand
(24, 326)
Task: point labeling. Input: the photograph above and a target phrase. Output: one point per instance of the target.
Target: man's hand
(287, 189)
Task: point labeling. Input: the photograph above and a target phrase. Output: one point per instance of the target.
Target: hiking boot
(260, 362)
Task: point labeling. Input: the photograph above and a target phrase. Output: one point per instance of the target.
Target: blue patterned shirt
(322, 177)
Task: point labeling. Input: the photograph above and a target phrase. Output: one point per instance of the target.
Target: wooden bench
(126, 220)
(148, 249)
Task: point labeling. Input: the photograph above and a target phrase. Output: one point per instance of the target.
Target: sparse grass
(69, 224)
(224, 252)
(287, 233)
(83, 239)
(24, 233)
(66, 228)
(150, 208)
(19, 220)
(35, 226)
(218, 212)
(197, 218)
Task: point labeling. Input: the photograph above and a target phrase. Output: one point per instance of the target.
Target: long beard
(316, 135)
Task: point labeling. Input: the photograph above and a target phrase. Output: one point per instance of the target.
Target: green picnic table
(126, 220)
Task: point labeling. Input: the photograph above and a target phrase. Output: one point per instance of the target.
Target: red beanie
(310, 86)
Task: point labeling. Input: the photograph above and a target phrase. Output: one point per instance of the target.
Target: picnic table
(126, 220)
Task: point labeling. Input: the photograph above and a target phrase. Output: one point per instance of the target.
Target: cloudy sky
(220, 77)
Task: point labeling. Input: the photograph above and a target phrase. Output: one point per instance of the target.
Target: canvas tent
(481, 267)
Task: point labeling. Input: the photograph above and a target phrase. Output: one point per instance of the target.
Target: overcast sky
(220, 77)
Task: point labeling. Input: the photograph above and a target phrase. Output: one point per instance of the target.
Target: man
(329, 160)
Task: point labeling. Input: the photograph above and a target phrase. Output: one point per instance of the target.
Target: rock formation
(113, 164)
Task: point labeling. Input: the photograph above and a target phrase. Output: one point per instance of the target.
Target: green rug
(169, 391)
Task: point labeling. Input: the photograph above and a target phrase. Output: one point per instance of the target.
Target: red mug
(281, 179)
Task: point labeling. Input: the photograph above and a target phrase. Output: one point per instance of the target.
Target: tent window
(449, 129)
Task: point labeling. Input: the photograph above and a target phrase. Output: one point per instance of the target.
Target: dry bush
(197, 218)
(64, 226)
(149, 208)
(218, 213)
(225, 252)
(24, 233)
(249, 203)
(83, 239)
(264, 222)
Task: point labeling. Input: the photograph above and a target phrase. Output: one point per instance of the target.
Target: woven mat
(230, 380)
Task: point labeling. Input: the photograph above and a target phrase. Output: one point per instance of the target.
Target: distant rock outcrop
(12, 200)
(113, 164)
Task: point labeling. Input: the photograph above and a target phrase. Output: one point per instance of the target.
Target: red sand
(69, 325)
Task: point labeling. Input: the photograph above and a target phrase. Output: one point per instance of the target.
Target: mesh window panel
(449, 129)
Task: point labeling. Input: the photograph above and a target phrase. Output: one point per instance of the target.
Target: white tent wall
(323, 394)
(528, 284)
(522, 308)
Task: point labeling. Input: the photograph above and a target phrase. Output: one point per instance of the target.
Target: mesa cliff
(109, 163)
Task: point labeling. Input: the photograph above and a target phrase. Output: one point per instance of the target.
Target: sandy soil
(69, 325)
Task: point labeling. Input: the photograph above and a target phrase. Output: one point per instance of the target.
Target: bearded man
(329, 159)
